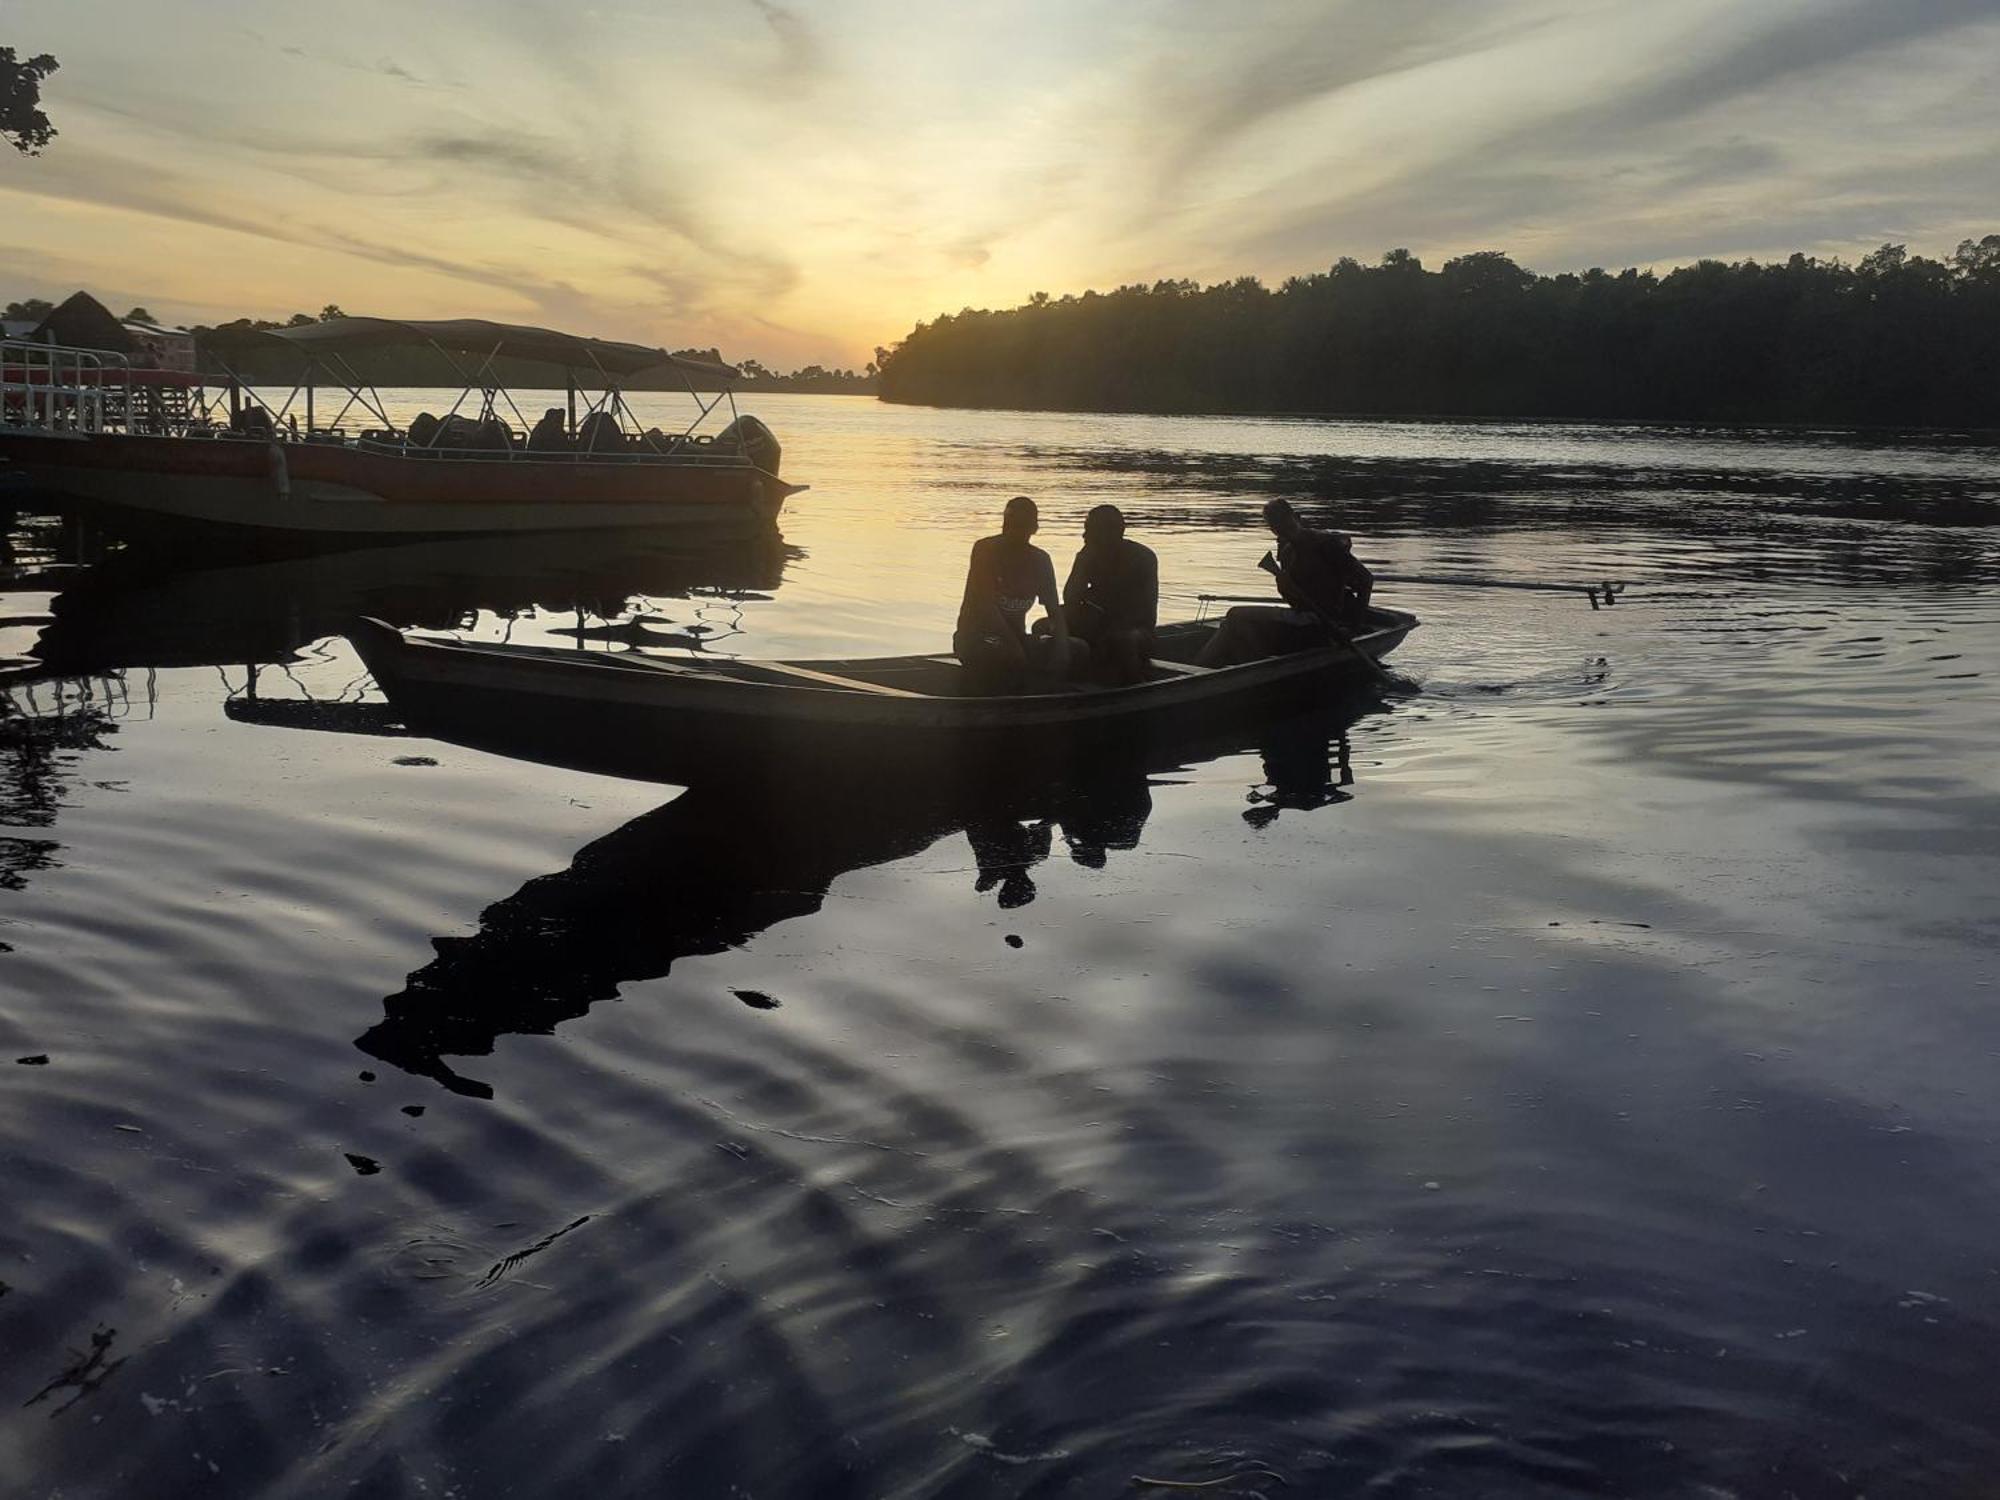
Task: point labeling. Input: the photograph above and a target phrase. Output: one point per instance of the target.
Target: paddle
(1606, 592)
(1341, 638)
(1597, 593)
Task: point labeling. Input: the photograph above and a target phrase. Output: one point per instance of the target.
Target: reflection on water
(42, 738)
(133, 609)
(1575, 1080)
(710, 870)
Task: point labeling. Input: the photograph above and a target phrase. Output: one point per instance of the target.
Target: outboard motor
(759, 444)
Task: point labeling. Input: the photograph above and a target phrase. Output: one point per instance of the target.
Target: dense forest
(1898, 339)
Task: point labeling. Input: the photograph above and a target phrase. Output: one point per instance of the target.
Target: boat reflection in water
(132, 610)
(120, 614)
(734, 855)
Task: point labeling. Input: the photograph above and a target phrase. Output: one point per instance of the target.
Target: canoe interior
(932, 676)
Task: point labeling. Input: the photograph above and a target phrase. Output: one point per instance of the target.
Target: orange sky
(803, 181)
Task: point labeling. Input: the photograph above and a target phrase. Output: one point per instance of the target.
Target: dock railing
(53, 388)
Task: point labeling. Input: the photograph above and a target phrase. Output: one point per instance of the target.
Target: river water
(1571, 1077)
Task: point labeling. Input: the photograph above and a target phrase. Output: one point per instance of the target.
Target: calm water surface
(1574, 1077)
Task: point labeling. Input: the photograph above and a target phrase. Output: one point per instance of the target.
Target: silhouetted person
(491, 435)
(1102, 814)
(1307, 765)
(600, 433)
(551, 434)
(1007, 575)
(1112, 598)
(1320, 580)
(1006, 849)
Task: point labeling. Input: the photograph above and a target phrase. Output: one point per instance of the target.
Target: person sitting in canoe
(1320, 579)
(1112, 598)
(1006, 577)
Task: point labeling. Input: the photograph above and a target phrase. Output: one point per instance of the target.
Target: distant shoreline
(1969, 433)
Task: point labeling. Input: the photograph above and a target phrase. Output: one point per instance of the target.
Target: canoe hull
(683, 727)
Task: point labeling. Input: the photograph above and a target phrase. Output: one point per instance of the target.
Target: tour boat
(680, 720)
(86, 424)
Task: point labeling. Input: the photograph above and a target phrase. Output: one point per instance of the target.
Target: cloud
(1723, 161)
(969, 253)
(1206, 97)
(1637, 155)
(382, 66)
(1789, 47)
(747, 169)
(802, 55)
(610, 191)
(540, 162)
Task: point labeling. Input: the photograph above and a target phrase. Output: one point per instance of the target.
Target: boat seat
(829, 679)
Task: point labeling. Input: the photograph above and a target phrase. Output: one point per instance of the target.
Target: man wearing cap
(1319, 578)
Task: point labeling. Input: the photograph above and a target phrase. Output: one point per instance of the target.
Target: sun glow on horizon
(799, 182)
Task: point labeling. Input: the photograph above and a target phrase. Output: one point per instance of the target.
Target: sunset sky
(801, 180)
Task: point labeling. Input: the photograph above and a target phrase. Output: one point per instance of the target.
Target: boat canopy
(480, 337)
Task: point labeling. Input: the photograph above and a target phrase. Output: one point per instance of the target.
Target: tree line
(1895, 339)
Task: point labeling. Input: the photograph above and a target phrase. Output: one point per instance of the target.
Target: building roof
(82, 322)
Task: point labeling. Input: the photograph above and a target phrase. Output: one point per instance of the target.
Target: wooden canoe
(690, 718)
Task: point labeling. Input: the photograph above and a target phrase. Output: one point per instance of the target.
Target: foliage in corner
(23, 124)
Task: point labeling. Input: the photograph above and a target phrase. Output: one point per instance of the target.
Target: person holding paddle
(1321, 580)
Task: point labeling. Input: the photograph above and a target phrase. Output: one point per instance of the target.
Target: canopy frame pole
(487, 388)
(290, 396)
(355, 391)
(705, 407)
(353, 395)
(613, 397)
(508, 396)
(569, 399)
(459, 370)
(486, 410)
(487, 363)
(232, 390)
(701, 411)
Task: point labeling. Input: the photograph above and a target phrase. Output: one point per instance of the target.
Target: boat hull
(329, 489)
(628, 717)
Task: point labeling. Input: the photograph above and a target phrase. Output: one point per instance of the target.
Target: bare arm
(1074, 586)
(980, 608)
(1362, 582)
(1058, 623)
(1288, 589)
